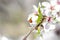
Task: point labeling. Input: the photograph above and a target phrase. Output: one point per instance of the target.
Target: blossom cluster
(49, 9)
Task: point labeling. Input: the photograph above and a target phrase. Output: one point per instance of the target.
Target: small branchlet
(40, 24)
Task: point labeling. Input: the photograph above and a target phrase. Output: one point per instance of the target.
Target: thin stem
(28, 34)
(25, 38)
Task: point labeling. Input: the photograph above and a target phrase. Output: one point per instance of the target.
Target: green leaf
(35, 35)
(38, 30)
(40, 16)
(38, 33)
(42, 6)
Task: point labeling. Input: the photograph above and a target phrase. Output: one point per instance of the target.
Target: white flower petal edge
(35, 8)
(46, 4)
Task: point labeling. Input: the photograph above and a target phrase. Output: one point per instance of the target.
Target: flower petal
(35, 8)
(46, 4)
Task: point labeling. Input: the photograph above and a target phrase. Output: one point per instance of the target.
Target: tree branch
(25, 38)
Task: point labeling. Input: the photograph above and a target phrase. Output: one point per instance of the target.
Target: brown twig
(28, 34)
(25, 38)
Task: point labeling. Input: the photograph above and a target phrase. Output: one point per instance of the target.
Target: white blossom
(50, 10)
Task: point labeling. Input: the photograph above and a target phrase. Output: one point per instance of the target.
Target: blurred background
(13, 18)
